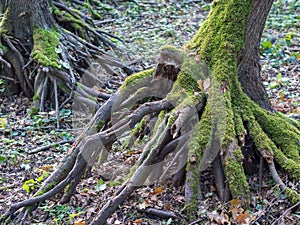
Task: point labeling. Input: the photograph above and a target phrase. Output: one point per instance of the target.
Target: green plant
(274, 50)
(62, 214)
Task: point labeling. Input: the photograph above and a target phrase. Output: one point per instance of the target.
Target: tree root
(77, 52)
(193, 131)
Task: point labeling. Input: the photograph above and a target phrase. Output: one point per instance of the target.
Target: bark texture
(21, 17)
(249, 65)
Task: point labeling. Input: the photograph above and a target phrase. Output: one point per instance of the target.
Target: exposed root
(65, 61)
(196, 128)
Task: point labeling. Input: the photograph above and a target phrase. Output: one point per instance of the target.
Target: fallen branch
(160, 213)
(285, 212)
(46, 147)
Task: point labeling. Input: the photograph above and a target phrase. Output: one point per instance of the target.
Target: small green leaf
(28, 185)
(2, 159)
(40, 178)
(273, 85)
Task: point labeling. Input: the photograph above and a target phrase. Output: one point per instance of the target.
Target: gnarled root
(191, 132)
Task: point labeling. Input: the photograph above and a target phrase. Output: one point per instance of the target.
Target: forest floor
(145, 26)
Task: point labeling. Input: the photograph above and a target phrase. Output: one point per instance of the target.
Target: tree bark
(249, 65)
(21, 17)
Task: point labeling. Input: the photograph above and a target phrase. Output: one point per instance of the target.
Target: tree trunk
(40, 58)
(249, 65)
(21, 17)
(19, 21)
(203, 118)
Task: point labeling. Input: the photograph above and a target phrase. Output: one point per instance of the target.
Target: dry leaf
(79, 222)
(200, 84)
(220, 219)
(145, 204)
(168, 206)
(153, 197)
(138, 221)
(235, 208)
(281, 95)
(236, 203)
(206, 85)
(243, 219)
(46, 167)
(158, 190)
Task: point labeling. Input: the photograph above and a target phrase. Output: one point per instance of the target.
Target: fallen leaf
(206, 85)
(145, 204)
(235, 208)
(138, 221)
(79, 222)
(244, 219)
(200, 84)
(158, 190)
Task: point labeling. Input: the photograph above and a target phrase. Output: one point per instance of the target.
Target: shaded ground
(144, 26)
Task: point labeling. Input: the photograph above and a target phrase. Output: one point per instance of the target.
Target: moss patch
(136, 79)
(45, 43)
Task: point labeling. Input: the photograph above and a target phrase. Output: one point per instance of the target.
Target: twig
(56, 102)
(8, 78)
(46, 147)
(160, 213)
(195, 222)
(260, 173)
(285, 212)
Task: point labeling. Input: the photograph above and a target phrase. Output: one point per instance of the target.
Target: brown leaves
(158, 190)
(234, 208)
(239, 217)
(204, 85)
(238, 214)
(79, 222)
(220, 219)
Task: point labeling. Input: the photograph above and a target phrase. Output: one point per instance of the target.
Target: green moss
(263, 143)
(280, 131)
(170, 48)
(77, 23)
(291, 121)
(47, 188)
(92, 11)
(133, 81)
(35, 97)
(235, 176)
(289, 165)
(33, 111)
(171, 119)
(292, 195)
(4, 48)
(45, 43)
(220, 37)
(197, 144)
(55, 10)
(5, 24)
(131, 172)
(159, 120)
(134, 133)
(238, 124)
(100, 124)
